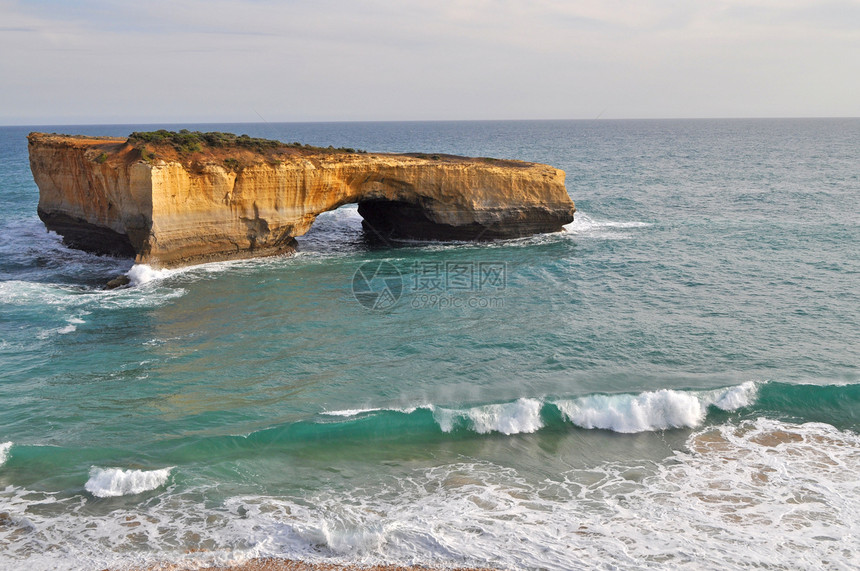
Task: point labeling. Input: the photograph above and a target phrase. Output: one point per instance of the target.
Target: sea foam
(72, 326)
(114, 482)
(140, 274)
(762, 493)
(759, 493)
(584, 225)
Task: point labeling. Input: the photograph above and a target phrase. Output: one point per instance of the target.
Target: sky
(193, 61)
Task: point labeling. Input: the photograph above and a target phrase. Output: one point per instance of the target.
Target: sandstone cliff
(171, 206)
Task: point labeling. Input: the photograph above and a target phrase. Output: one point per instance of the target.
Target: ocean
(673, 381)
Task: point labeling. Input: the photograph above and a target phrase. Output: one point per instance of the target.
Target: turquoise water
(670, 382)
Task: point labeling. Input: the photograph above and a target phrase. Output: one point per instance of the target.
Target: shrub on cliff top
(186, 141)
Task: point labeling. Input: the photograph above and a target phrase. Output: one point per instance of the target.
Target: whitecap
(647, 411)
(521, 416)
(4, 452)
(349, 412)
(733, 398)
(114, 482)
(585, 225)
(653, 410)
(140, 274)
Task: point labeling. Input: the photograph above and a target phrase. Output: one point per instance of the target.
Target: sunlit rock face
(172, 208)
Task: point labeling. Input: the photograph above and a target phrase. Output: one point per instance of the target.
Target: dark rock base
(386, 220)
(82, 235)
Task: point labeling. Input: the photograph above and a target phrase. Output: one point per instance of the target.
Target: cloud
(374, 59)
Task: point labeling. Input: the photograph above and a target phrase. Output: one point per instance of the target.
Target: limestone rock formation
(170, 203)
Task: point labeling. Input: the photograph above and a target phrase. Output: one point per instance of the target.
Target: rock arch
(101, 196)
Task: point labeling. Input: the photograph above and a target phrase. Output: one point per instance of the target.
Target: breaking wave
(521, 416)
(114, 482)
(656, 410)
(624, 413)
(140, 274)
(4, 452)
(756, 493)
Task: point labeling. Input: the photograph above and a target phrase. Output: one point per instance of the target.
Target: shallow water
(670, 382)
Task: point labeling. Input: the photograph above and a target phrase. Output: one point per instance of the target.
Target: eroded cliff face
(105, 195)
(95, 205)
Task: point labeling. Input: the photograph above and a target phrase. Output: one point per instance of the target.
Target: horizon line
(331, 121)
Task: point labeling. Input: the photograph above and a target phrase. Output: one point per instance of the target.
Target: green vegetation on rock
(186, 141)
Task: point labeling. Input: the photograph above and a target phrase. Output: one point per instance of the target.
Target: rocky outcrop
(170, 206)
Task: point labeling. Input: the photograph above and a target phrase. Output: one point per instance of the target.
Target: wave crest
(4, 452)
(635, 413)
(115, 482)
(523, 415)
(733, 398)
(625, 413)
